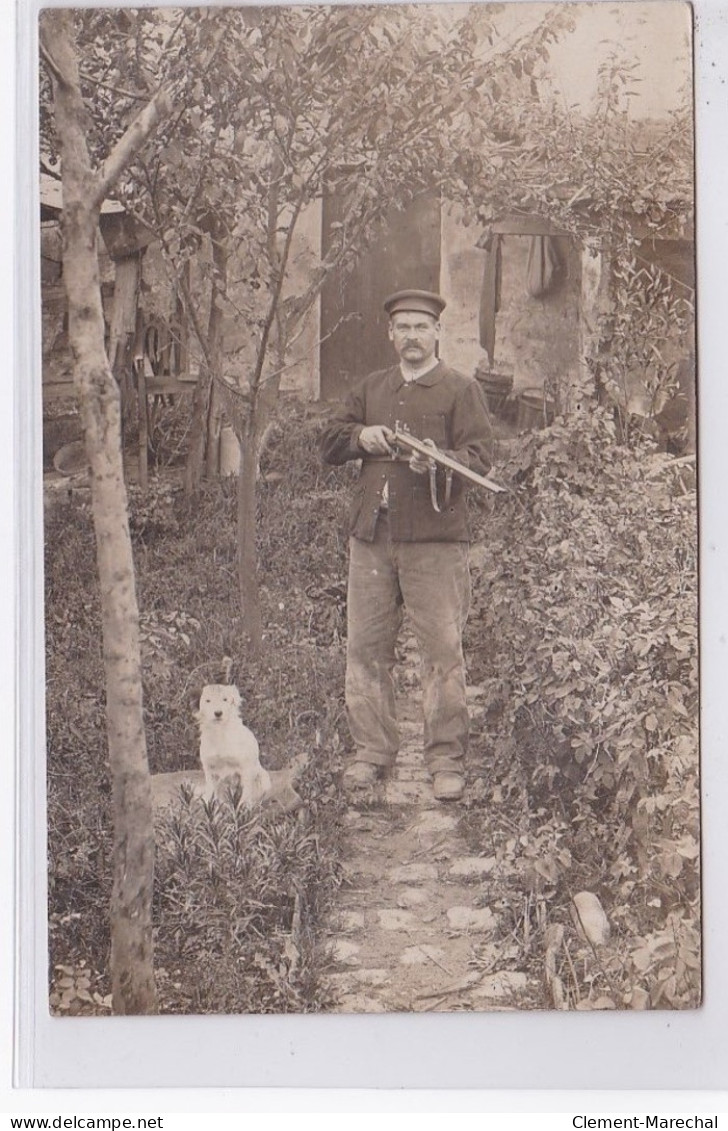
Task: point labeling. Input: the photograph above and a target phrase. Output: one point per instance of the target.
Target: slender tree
(84, 189)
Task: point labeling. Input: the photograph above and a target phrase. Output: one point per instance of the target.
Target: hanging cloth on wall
(544, 265)
(490, 292)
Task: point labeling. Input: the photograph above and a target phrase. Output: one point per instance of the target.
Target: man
(405, 553)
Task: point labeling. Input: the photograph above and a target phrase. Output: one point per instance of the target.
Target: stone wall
(538, 338)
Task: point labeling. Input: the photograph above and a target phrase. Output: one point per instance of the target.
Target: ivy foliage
(585, 631)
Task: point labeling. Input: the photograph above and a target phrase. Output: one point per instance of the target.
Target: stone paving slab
(423, 954)
(396, 919)
(405, 792)
(435, 821)
(472, 918)
(503, 984)
(372, 977)
(413, 897)
(413, 873)
(473, 866)
(346, 953)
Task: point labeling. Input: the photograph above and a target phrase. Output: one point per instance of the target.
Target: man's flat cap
(425, 301)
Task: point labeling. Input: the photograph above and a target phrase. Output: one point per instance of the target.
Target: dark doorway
(407, 254)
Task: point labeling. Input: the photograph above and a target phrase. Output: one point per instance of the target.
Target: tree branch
(51, 64)
(133, 95)
(131, 142)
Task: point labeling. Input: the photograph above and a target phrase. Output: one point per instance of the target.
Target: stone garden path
(414, 929)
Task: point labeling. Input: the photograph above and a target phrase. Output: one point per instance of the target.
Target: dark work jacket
(443, 406)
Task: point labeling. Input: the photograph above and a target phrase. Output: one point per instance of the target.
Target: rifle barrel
(410, 441)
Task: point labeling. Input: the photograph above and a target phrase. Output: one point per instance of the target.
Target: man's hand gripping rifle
(403, 438)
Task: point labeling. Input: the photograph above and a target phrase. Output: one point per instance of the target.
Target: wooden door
(354, 338)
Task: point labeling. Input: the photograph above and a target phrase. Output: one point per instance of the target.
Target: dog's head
(219, 702)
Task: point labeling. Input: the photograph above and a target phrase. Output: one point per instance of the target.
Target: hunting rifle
(403, 438)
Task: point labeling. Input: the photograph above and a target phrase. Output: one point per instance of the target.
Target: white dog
(228, 749)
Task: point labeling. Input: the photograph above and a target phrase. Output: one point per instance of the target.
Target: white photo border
(619, 1050)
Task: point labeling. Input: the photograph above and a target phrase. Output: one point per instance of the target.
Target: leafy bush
(239, 895)
(585, 629)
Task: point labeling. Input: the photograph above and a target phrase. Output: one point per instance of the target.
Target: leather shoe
(448, 785)
(361, 774)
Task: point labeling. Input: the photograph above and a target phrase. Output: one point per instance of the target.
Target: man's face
(415, 336)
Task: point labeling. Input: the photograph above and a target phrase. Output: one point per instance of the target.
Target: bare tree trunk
(261, 411)
(248, 586)
(204, 450)
(264, 394)
(214, 428)
(195, 464)
(83, 190)
(183, 326)
(131, 928)
(215, 343)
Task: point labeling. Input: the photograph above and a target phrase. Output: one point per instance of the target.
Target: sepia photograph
(370, 508)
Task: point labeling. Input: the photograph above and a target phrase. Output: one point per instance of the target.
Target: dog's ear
(236, 696)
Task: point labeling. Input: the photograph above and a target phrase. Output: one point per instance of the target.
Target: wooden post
(143, 426)
(127, 272)
(183, 326)
(593, 305)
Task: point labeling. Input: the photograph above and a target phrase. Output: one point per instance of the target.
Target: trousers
(431, 581)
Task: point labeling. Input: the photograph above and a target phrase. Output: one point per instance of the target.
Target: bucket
(496, 388)
(71, 459)
(534, 409)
